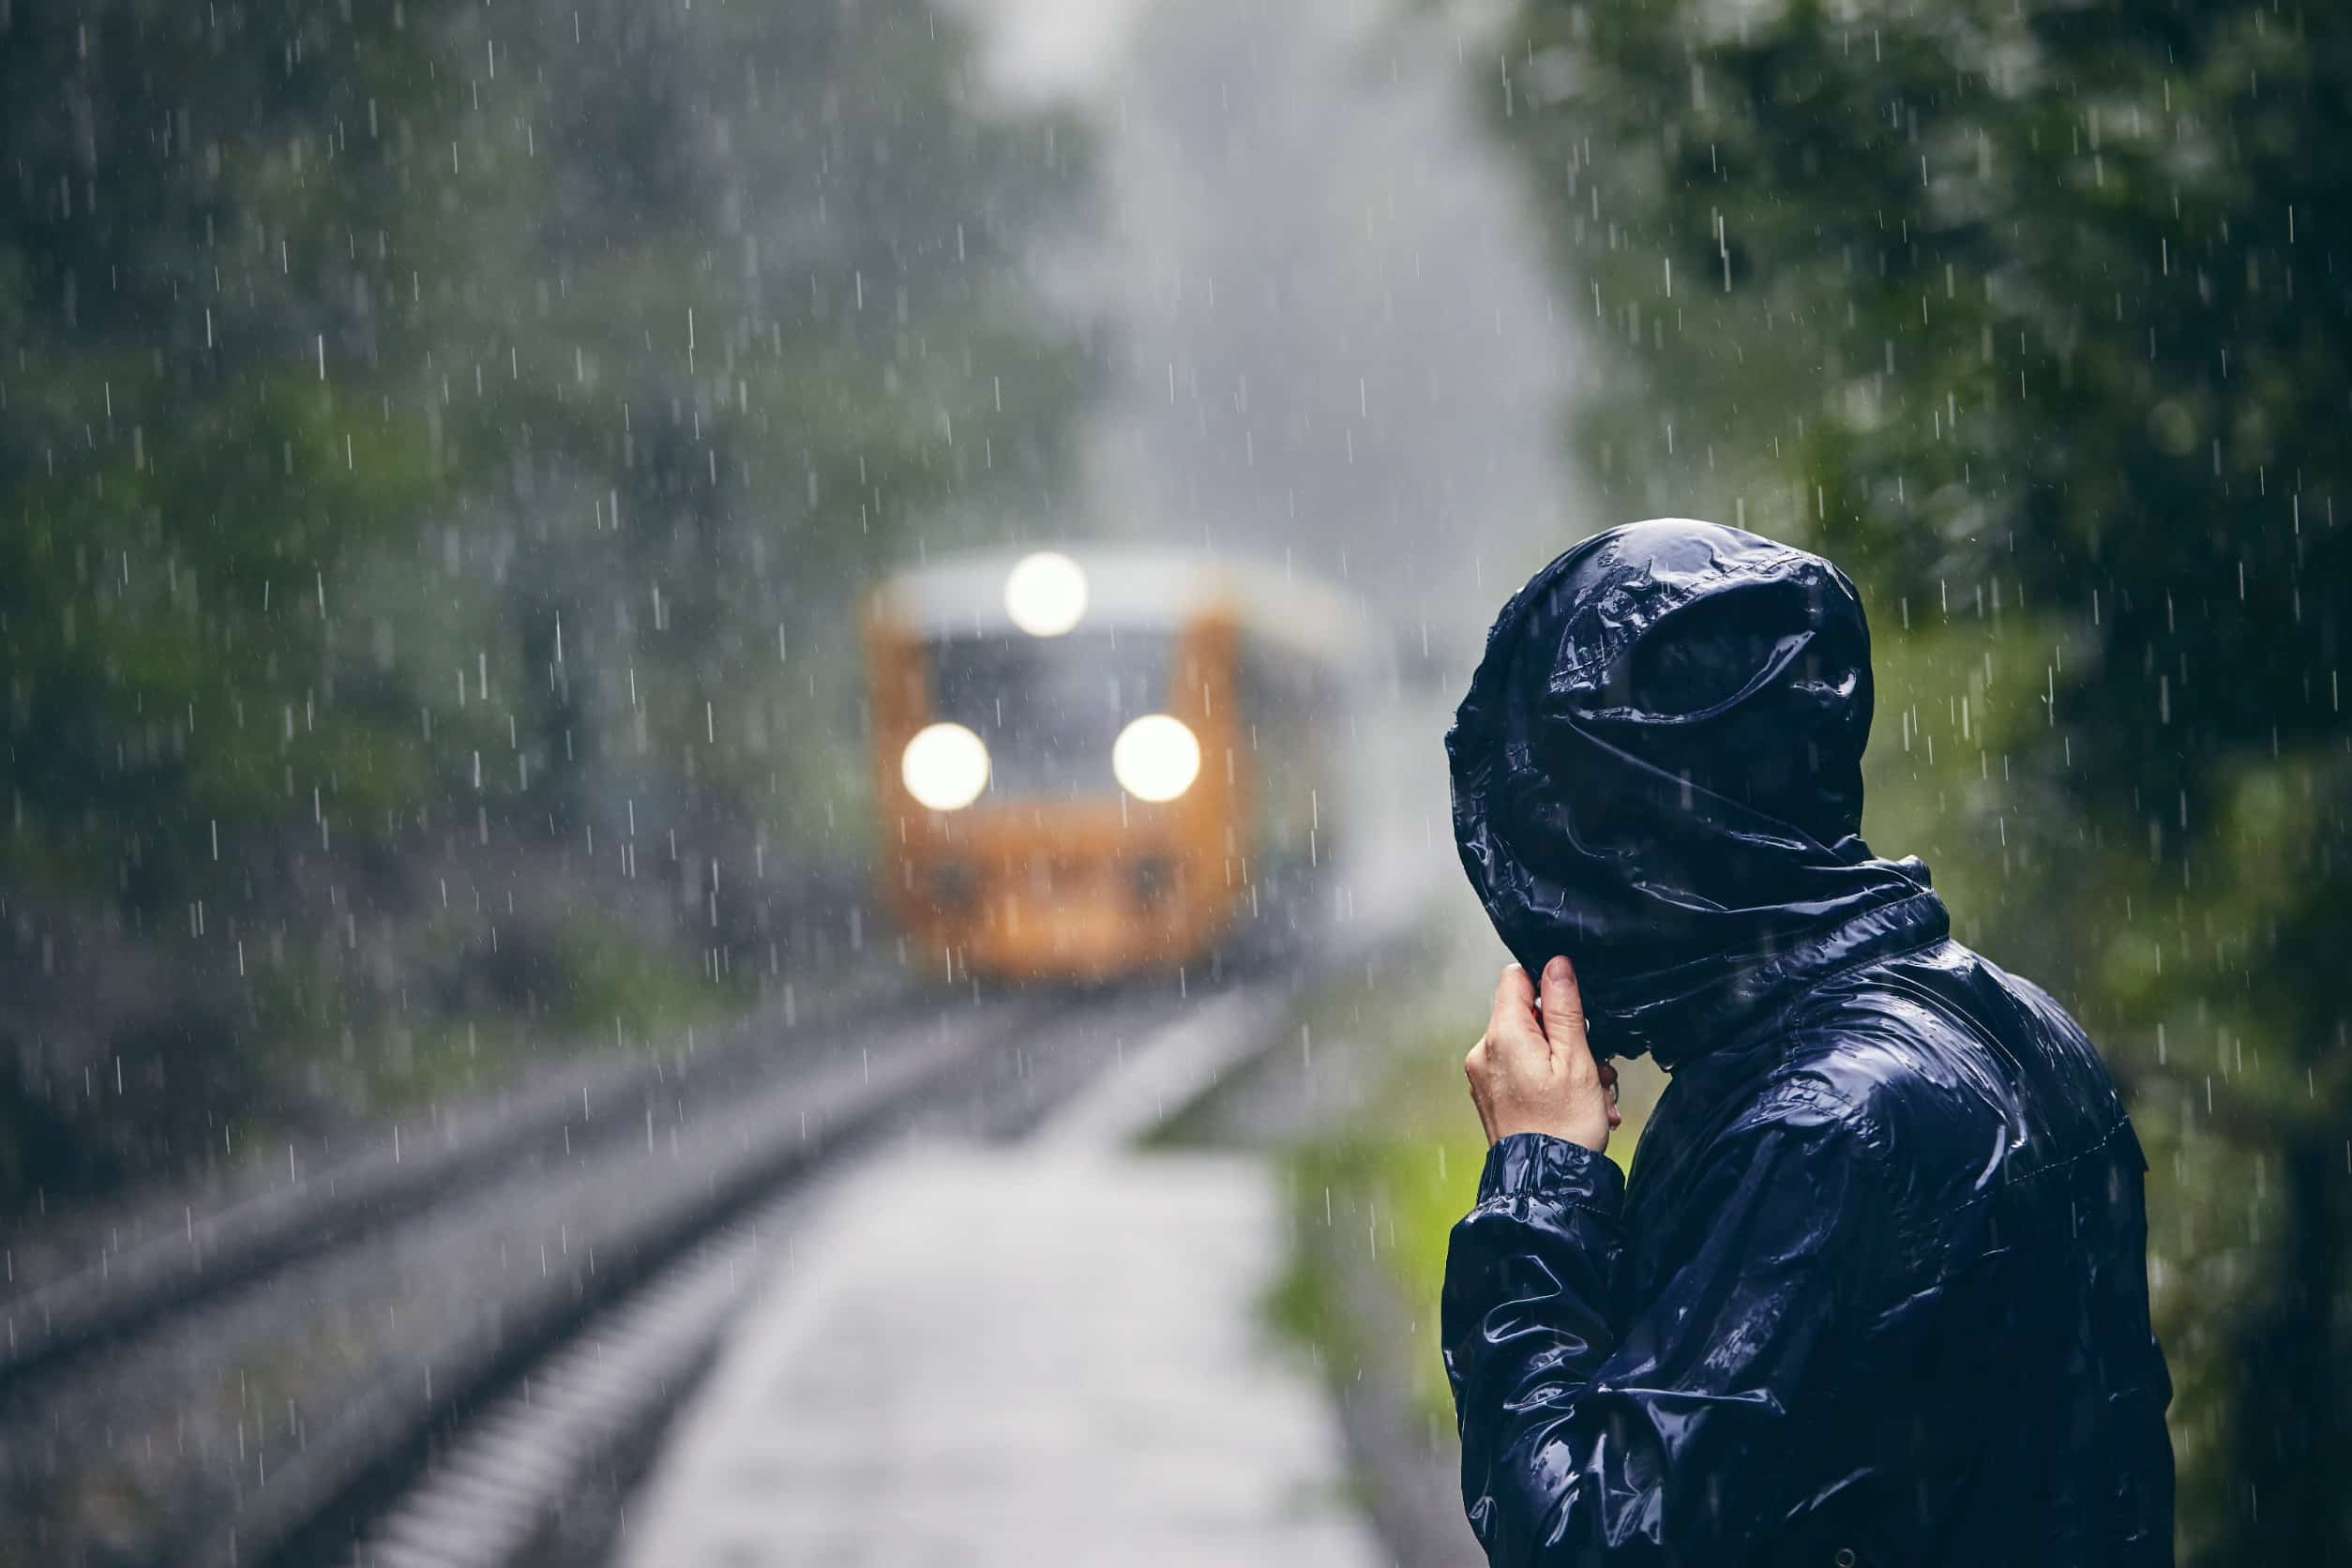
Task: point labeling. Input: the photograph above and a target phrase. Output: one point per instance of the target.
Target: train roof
(963, 594)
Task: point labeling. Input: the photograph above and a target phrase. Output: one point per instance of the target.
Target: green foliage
(171, 639)
(2035, 316)
(441, 446)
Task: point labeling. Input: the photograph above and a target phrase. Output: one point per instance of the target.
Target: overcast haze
(1329, 329)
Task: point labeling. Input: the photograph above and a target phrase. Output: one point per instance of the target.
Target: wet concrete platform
(1049, 1355)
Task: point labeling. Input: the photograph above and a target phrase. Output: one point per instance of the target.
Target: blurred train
(1105, 761)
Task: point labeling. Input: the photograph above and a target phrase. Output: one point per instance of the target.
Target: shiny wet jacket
(1877, 1291)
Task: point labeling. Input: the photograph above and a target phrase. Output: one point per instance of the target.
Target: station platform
(1032, 1355)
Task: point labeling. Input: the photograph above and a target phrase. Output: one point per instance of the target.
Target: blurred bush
(2034, 316)
(439, 449)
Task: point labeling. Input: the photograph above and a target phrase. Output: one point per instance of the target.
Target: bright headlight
(1155, 758)
(1045, 593)
(945, 766)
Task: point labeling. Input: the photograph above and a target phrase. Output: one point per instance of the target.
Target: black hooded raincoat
(1877, 1292)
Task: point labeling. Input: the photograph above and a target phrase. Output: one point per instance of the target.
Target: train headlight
(1155, 758)
(1045, 593)
(945, 766)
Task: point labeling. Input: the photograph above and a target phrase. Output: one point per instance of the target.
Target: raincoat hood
(1657, 771)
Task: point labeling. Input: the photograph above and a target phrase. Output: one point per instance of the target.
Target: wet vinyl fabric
(1877, 1291)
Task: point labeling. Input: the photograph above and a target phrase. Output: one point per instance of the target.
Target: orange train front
(1105, 762)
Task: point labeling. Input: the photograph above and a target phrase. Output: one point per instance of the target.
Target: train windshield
(1049, 708)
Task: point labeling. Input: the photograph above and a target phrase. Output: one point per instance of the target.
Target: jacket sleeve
(1603, 1431)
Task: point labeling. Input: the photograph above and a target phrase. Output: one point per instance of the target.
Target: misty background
(442, 447)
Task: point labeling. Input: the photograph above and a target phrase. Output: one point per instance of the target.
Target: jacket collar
(1745, 1000)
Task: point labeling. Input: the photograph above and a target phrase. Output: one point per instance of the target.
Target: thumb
(1564, 1007)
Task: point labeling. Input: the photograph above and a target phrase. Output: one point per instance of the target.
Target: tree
(2045, 305)
(437, 440)
(193, 460)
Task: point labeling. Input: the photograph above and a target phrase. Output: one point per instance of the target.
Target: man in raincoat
(1877, 1292)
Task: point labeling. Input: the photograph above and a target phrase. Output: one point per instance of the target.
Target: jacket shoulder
(1925, 1069)
(1977, 1077)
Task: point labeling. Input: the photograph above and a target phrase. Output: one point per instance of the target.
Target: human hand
(1533, 1071)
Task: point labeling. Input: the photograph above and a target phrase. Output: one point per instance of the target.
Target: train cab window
(1049, 708)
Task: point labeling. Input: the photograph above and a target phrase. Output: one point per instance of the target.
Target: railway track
(586, 1417)
(231, 1420)
(260, 1222)
(504, 1482)
(435, 1345)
